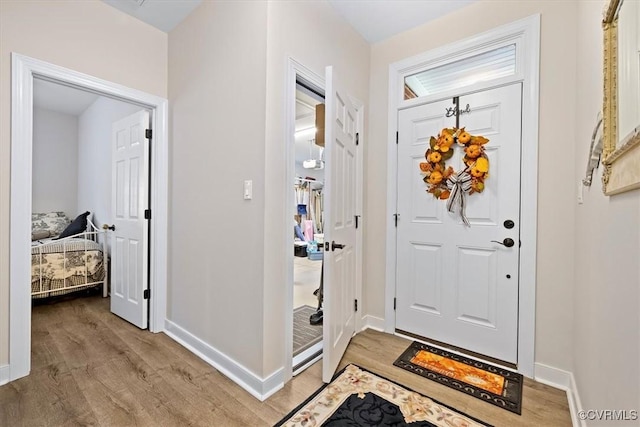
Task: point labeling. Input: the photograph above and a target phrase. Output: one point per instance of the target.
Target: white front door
(129, 198)
(455, 284)
(340, 232)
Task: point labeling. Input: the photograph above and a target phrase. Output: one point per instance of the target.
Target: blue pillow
(77, 226)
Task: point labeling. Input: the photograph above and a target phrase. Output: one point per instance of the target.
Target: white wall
(219, 95)
(55, 162)
(94, 156)
(606, 295)
(217, 68)
(87, 36)
(556, 171)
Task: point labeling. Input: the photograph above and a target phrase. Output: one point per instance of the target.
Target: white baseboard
(4, 374)
(372, 322)
(563, 380)
(258, 387)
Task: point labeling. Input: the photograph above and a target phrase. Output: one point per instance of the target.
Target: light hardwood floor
(306, 279)
(91, 368)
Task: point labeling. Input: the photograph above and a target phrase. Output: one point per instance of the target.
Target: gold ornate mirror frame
(621, 159)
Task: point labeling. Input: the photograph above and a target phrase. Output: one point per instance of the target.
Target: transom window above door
(490, 65)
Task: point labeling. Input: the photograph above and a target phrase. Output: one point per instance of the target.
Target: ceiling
(60, 98)
(162, 14)
(375, 20)
(305, 125)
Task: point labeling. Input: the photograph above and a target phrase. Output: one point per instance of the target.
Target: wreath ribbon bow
(459, 184)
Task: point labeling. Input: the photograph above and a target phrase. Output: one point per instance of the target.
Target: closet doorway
(308, 225)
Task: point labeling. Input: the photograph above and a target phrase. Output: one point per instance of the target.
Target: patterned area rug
(305, 335)
(487, 382)
(357, 397)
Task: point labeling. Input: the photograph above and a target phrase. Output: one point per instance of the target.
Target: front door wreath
(444, 182)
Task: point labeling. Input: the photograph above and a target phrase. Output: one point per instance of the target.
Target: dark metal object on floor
(316, 318)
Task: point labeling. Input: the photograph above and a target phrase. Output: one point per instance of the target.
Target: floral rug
(487, 382)
(357, 397)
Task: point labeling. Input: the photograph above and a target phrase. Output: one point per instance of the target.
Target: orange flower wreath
(444, 182)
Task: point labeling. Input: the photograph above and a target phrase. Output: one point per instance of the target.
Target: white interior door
(129, 239)
(340, 232)
(454, 284)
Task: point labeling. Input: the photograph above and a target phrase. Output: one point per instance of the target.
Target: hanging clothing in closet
(316, 205)
(309, 203)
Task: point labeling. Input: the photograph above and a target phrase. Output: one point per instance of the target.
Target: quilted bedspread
(59, 265)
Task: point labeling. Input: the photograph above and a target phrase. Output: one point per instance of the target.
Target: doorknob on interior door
(335, 245)
(508, 242)
(108, 227)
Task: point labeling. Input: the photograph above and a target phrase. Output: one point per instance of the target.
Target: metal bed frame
(91, 234)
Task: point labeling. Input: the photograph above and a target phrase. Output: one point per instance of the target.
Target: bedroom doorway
(104, 184)
(27, 73)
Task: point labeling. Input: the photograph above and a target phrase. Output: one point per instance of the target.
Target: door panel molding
(129, 252)
(525, 34)
(24, 69)
(340, 189)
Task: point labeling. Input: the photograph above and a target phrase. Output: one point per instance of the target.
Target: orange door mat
(487, 382)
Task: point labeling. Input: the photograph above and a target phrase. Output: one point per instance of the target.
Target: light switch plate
(580, 193)
(248, 190)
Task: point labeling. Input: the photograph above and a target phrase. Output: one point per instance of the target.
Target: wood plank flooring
(90, 368)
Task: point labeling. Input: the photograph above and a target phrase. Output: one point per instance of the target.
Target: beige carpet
(305, 334)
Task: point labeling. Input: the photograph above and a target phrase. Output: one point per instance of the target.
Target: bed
(62, 263)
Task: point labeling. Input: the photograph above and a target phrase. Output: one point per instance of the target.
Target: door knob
(335, 245)
(508, 242)
(108, 227)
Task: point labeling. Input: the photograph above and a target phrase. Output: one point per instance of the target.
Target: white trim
(372, 322)
(23, 70)
(563, 380)
(299, 358)
(258, 387)
(294, 69)
(4, 374)
(316, 348)
(306, 365)
(359, 106)
(525, 33)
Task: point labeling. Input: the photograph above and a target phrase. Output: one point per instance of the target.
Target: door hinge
(147, 214)
(355, 305)
(148, 133)
(146, 294)
(394, 303)
(357, 217)
(395, 218)
(397, 138)
(357, 138)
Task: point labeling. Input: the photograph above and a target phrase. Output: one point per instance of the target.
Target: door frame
(297, 69)
(525, 34)
(23, 71)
